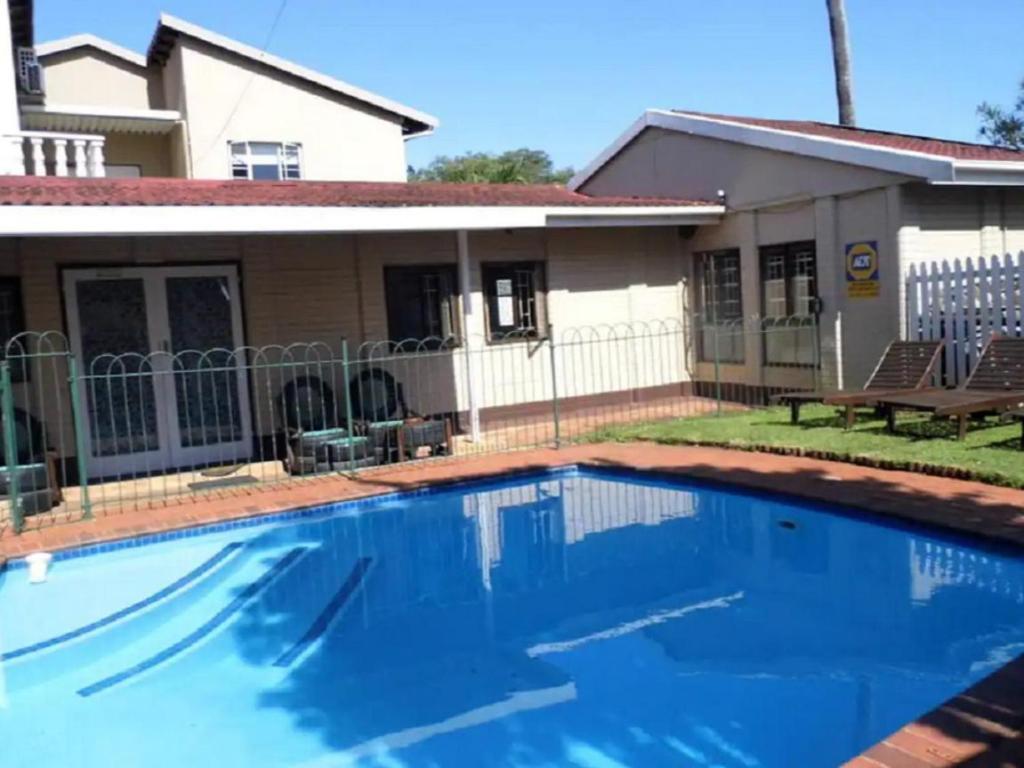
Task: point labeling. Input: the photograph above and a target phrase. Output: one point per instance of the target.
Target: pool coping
(979, 725)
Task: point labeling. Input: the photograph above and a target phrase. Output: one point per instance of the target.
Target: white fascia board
(90, 41)
(297, 70)
(654, 217)
(67, 220)
(982, 172)
(932, 168)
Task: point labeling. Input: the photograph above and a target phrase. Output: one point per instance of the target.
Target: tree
(841, 61)
(1003, 127)
(517, 166)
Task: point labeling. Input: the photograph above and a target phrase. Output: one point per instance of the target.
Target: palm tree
(841, 59)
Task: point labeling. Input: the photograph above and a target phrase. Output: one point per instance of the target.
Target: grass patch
(991, 453)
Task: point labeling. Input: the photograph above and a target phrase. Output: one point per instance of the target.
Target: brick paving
(980, 728)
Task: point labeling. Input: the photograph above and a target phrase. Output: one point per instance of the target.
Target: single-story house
(819, 218)
(121, 266)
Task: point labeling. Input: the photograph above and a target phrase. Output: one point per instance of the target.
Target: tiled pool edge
(987, 720)
(254, 519)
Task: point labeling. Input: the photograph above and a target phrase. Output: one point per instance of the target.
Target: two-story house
(206, 196)
(199, 105)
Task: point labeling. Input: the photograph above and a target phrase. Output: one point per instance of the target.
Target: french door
(160, 382)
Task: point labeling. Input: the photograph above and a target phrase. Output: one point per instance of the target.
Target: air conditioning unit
(30, 71)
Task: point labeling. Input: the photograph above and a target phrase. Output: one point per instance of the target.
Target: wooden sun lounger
(995, 385)
(904, 366)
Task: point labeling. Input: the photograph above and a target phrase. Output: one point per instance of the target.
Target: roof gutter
(987, 172)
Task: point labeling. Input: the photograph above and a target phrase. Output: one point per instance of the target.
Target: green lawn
(990, 453)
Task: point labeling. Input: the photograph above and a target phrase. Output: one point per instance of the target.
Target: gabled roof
(171, 28)
(90, 41)
(929, 159)
(53, 190)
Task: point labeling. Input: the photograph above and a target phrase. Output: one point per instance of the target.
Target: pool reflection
(555, 620)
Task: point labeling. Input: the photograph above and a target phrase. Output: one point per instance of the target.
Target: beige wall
(151, 152)
(779, 197)
(324, 288)
(225, 98)
(832, 222)
(91, 77)
(669, 164)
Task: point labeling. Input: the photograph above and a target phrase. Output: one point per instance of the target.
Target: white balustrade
(48, 154)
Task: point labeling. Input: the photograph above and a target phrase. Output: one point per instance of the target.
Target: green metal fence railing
(128, 430)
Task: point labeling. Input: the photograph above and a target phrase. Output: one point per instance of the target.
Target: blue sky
(569, 75)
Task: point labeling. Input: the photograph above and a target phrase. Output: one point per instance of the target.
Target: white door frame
(169, 454)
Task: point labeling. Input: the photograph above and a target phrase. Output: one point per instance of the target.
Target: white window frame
(253, 159)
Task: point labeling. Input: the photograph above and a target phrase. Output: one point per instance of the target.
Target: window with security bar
(421, 306)
(514, 300)
(720, 306)
(266, 160)
(789, 303)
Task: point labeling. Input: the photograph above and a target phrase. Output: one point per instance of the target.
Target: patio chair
(382, 414)
(996, 385)
(35, 465)
(1016, 415)
(317, 436)
(905, 366)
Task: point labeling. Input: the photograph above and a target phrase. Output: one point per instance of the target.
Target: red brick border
(982, 727)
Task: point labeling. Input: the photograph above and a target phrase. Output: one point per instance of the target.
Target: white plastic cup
(38, 565)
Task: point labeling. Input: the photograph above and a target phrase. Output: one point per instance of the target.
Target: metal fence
(124, 430)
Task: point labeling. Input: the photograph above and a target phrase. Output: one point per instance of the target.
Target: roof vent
(30, 71)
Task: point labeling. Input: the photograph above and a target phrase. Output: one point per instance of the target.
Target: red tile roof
(958, 150)
(33, 190)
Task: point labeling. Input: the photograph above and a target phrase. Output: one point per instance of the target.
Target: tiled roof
(41, 190)
(958, 150)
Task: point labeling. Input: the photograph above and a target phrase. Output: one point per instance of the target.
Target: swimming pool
(575, 617)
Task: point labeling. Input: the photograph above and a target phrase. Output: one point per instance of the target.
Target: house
(176, 218)
(199, 105)
(820, 219)
(206, 196)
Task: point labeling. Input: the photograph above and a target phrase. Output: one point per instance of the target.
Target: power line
(248, 83)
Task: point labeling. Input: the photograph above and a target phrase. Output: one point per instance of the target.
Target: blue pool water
(574, 618)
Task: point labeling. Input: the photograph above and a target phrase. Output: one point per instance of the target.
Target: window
(124, 171)
(790, 303)
(514, 299)
(421, 304)
(265, 160)
(720, 306)
(12, 322)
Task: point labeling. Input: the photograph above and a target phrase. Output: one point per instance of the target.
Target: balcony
(47, 153)
(63, 154)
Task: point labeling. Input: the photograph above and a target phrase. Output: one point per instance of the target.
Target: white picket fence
(964, 304)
